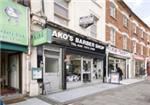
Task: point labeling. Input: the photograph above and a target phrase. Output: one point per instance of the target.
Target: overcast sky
(141, 8)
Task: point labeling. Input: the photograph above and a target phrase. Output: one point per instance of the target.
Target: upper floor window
(113, 36)
(142, 34)
(125, 42)
(134, 46)
(125, 21)
(61, 13)
(112, 10)
(134, 27)
(93, 29)
(142, 49)
(148, 38)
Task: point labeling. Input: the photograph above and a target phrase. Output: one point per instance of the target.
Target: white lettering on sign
(77, 41)
(118, 51)
(84, 42)
(62, 35)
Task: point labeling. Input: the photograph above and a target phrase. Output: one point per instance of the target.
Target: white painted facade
(76, 9)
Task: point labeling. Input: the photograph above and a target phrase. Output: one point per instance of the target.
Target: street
(134, 94)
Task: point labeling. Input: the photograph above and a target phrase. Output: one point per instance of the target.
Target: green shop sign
(13, 23)
(41, 37)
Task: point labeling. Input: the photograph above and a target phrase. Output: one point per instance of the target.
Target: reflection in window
(73, 68)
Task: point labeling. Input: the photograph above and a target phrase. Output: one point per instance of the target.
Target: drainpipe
(28, 75)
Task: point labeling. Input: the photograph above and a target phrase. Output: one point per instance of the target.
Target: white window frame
(142, 34)
(142, 48)
(134, 46)
(134, 30)
(125, 42)
(112, 36)
(125, 21)
(66, 19)
(112, 10)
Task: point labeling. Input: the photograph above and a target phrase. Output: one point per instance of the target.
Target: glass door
(86, 69)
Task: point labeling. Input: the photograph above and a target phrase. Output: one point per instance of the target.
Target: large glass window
(114, 62)
(73, 68)
(97, 69)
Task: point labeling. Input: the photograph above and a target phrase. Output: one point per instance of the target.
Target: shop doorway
(148, 68)
(52, 73)
(86, 67)
(121, 63)
(10, 73)
(97, 73)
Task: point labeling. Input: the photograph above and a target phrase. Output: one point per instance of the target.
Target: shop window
(113, 36)
(97, 69)
(112, 10)
(61, 12)
(125, 21)
(73, 68)
(51, 65)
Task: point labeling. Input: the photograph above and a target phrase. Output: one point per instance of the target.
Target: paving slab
(80, 92)
(32, 101)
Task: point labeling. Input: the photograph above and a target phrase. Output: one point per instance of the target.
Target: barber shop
(70, 60)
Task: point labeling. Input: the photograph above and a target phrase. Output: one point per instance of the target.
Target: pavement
(69, 96)
(134, 94)
(32, 101)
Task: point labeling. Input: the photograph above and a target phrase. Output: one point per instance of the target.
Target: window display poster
(36, 73)
(114, 78)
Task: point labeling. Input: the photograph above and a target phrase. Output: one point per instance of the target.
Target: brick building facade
(129, 36)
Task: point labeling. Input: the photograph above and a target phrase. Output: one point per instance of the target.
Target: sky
(141, 8)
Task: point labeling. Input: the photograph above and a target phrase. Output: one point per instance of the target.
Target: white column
(107, 75)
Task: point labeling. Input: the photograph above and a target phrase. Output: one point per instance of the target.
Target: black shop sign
(71, 40)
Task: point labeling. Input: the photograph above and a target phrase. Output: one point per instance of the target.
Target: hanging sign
(41, 37)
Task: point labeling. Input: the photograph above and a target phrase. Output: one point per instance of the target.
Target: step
(9, 99)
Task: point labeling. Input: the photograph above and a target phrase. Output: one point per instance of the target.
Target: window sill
(126, 27)
(113, 18)
(67, 19)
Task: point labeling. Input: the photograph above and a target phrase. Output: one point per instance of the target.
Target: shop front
(13, 47)
(70, 60)
(139, 63)
(118, 59)
(148, 66)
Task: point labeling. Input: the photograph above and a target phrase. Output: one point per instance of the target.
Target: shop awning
(13, 47)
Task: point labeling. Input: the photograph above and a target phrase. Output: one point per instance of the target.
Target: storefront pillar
(107, 72)
(33, 85)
